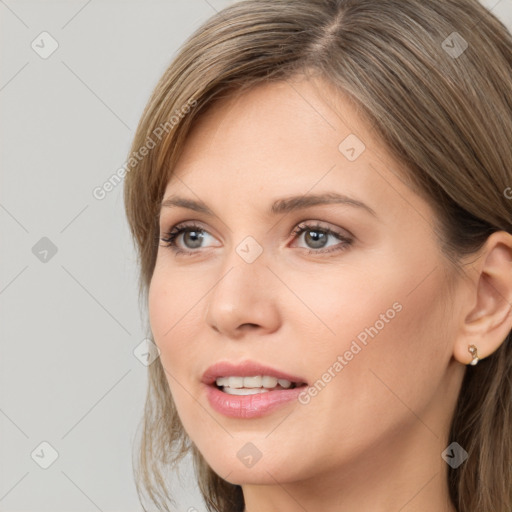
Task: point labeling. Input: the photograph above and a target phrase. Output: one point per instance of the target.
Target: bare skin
(371, 439)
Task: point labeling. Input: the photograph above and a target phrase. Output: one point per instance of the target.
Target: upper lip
(245, 369)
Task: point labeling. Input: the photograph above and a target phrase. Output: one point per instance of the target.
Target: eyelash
(170, 238)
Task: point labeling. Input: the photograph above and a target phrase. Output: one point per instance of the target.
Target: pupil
(318, 235)
(198, 237)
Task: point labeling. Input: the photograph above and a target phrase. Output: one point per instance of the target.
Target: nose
(244, 299)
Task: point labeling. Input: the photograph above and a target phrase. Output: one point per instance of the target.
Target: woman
(320, 200)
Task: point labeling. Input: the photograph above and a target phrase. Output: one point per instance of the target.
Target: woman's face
(346, 298)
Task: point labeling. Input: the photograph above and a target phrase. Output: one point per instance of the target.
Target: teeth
(245, 391)
(254, 384)
(236, 382)
(269, 382)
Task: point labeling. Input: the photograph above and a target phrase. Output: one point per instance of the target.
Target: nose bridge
(241, 294)
(243, 273)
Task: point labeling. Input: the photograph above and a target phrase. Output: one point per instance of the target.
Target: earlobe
(488, 321)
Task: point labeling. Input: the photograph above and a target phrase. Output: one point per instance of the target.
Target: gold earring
(473, 351)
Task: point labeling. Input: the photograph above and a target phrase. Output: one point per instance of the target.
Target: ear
(487, 317)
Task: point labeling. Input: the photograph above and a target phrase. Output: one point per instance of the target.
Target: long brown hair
(434, 80)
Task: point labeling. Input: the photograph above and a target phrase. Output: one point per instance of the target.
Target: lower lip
(250, 406)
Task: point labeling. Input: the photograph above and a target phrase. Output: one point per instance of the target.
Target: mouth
(249, 389)
(255, 384)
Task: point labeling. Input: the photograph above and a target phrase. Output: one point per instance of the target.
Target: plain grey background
(71, 375)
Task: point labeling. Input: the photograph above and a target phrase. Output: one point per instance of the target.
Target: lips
(249, 389)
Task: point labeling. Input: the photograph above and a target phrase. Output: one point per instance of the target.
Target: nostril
(248, 326)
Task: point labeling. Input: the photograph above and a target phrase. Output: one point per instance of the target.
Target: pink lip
(249, 406)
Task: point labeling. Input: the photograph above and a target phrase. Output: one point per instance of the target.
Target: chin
(240, 469)
(257, 475)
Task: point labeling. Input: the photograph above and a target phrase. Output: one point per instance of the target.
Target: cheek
(160, 305)
(403, 335)
(176, 316)
(167, 313)
(173, 323)
(393, 325)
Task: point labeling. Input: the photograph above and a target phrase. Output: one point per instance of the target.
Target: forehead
(273, 118)
(286, 138)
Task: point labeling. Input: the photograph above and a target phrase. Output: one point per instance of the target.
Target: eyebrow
(280, 206)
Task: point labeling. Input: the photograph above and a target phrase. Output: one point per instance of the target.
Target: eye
(191, 235)
(316, 236)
